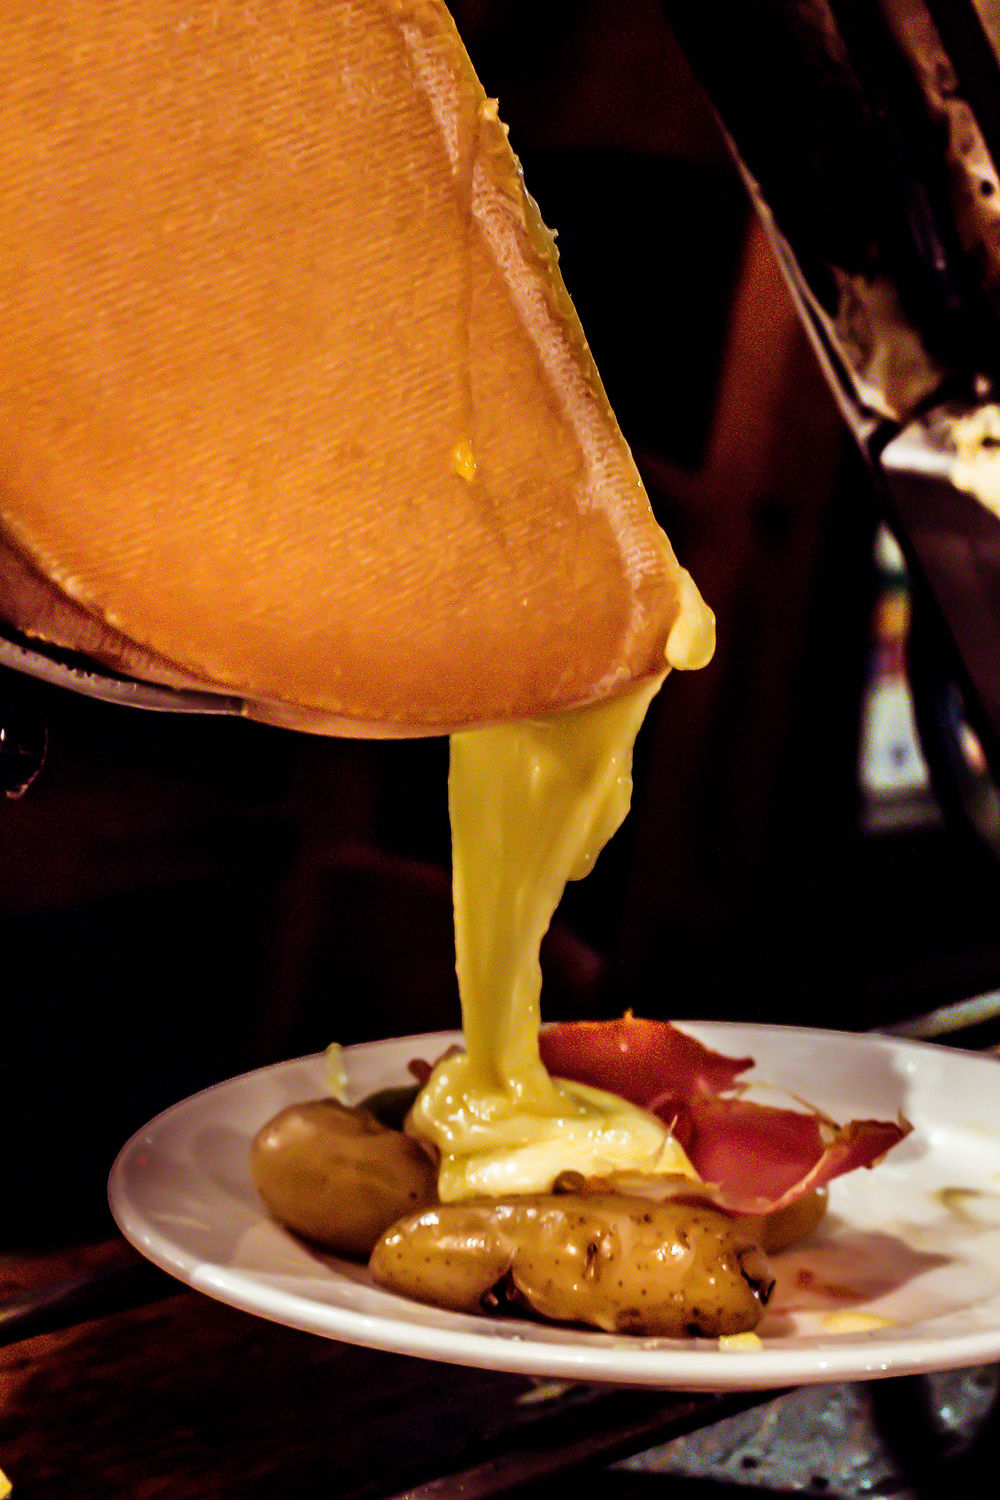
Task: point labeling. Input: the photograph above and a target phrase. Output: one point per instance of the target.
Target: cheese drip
(532, 804)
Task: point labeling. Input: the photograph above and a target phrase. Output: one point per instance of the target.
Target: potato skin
(788, 1226)
(337, 1176)
(625, 1265)
(772, 1231)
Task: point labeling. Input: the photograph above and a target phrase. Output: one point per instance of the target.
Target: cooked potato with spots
(337, 1176)
(622, 1264)
(772, 1231)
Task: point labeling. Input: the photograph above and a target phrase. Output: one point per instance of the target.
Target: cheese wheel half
(293, 402)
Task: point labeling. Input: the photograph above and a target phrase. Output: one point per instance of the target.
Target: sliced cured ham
(764, 1158)
(647, 1062)
(758, 1157)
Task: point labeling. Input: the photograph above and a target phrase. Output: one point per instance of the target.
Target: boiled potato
(772, 1231)
(392, 1105)
(622, 1264)
(337, 1176)
(787, 1226)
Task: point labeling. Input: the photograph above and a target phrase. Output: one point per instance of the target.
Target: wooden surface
(184, 1397)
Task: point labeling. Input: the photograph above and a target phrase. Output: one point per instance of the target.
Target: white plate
(915, 1242)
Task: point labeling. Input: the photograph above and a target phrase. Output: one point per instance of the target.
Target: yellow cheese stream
(532, 804)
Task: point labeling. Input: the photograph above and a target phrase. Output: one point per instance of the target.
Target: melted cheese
(847, 1320)
(532, 804)
(745, 1342)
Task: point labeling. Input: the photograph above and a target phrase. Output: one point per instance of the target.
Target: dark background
(182, 898)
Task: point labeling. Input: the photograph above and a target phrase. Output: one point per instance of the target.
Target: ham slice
(763, 1158)
(758, 1157)
(646, 1062)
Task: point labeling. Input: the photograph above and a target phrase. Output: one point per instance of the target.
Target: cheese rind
(266, 271)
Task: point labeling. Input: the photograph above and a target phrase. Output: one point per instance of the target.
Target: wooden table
(129, 1387)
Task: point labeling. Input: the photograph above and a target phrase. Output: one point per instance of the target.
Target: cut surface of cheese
(293, 401)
